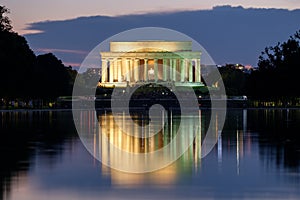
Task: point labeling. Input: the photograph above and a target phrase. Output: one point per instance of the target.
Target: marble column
(182, 70)
(155, 70)
(146, 69)
(124, 68)
(104, 71)
(128, 70)
(174, 69)
(115, 66)
(119, 66)
(190, 71)
(198, 70)
(111, 71)
(171, 69)
(165, 74)
(136, 70)
(132, 70)
(186, 65)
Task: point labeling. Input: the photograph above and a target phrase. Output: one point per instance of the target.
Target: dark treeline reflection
(277, 132)
(27, 133)
(279, 136)
(266, 138)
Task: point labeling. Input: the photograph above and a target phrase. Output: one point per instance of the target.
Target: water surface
(257, 157)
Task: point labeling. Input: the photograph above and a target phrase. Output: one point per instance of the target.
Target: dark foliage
(5, 24)
(234, 80)
(17, 61)
(51, 77)
(24, 75)
(279, 69)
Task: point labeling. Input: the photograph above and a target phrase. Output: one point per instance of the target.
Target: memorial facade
(163, 62)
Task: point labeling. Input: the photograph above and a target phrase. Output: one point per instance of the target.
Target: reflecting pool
(257, 156)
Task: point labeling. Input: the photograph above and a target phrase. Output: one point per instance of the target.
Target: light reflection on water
(257, 157)
(133, 147)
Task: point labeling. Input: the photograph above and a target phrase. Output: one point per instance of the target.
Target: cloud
(229, 34)
(73, 64)
(46, 50)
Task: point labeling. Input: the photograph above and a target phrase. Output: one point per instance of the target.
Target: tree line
(27, 76)
(277, 75)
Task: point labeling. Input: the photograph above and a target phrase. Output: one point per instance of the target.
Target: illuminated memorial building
(165, 62)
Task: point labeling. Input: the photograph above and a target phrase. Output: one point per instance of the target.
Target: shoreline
(144, 104)
(137, 108)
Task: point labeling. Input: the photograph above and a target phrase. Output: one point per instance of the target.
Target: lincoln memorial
(163, 62)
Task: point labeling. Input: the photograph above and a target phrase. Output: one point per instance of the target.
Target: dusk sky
(236, 33)
(29, 11)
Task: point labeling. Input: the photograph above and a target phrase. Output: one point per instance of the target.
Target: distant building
(245, 69)
(93, 71)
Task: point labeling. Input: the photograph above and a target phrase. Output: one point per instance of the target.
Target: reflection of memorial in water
(119, 137)
(114, 131)
(141, 138)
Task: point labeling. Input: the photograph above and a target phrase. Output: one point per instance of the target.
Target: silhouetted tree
(16, 60)
(23, 75)
(234, 80)
(52, 78)
(5, 24)
(279, 69)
